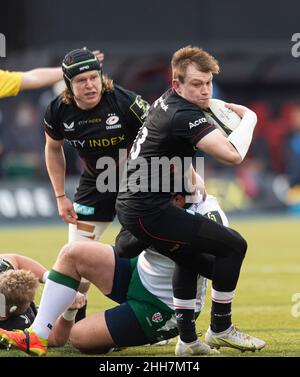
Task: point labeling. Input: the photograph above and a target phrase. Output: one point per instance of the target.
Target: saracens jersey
(172, 129)
(100, 131)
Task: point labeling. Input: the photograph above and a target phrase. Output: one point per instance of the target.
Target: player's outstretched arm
(21, 262)
(40, 77)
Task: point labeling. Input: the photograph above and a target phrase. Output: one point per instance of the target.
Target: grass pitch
(263, 304)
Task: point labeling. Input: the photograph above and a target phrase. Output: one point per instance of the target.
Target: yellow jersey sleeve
(10, 83)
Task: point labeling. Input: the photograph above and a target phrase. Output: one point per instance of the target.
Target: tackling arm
(198, 183)
(62, 327)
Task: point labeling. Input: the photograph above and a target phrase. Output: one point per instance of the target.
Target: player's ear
(176, 84)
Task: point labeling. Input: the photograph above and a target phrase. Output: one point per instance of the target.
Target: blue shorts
(141, 318)
(121, 321)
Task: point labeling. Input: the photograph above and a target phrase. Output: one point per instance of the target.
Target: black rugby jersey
(22, 321)
(172, 129)
(101, 131)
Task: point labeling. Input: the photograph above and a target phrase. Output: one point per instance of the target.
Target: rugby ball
(221, 117)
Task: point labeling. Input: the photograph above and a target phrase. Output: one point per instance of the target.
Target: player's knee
(127, 245)
(69, 251)
(244, 246)
(240, 245)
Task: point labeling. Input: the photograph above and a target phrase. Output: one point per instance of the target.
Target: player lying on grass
(142, 286)
(19, 279)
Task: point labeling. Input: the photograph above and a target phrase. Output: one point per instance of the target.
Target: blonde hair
(18, 288)
(192, 55)
(107, 86)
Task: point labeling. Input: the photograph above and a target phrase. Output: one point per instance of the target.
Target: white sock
(222, 297)
(179, 303)
(56, 298)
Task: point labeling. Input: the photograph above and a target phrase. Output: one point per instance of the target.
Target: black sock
(185, 291)
(220, 316)
(81, 314)
(186, 324)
